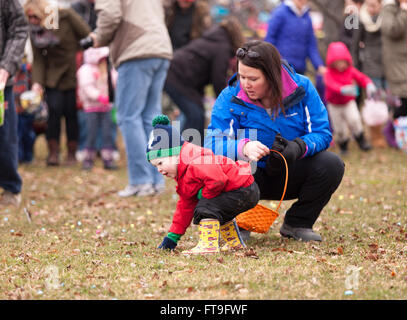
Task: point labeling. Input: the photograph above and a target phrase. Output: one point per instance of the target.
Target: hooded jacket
(91, 84)
(291, 32)
(203, 61)
(199, 169)
(235, 118)
(335, 80)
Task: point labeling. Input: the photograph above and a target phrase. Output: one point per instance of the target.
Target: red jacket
(334, 79)
(200, 168)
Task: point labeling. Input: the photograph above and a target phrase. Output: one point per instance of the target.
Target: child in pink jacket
(93, 91)
(342, 82)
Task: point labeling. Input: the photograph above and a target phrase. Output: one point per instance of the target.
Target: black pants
(61, 103)
(227, 205)
(311, 180)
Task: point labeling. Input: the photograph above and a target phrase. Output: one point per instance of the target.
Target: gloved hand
(370, 90)
(350, 90)
(291, 150)
(167, 244)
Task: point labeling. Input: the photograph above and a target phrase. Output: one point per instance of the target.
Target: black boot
(362, 142)
(343, 146)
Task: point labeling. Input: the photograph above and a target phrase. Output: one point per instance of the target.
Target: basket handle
(286, 178)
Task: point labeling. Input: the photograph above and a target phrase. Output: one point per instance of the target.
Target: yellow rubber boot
(208, 238)
(231, 235)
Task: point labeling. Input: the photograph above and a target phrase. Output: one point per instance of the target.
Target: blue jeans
(26, 137)
(83, 132)
(10, 180)
(138, 98)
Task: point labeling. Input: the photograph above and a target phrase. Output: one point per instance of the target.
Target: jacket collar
(299, 13)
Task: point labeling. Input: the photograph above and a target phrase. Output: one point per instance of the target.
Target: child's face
(167, 166)
(340, 65)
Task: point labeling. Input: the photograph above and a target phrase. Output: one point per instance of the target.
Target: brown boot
(71, 159)
(376, 137)
(53, 153)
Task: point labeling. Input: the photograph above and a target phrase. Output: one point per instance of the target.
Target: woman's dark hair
(265, 57)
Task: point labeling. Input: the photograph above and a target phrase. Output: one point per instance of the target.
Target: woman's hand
(255, 150)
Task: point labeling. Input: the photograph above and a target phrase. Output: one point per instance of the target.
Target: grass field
(84, 242)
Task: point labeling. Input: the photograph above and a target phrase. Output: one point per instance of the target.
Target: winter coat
(368, 59)
(13, 35)
(55, 67)
(335, 80)
(293, 35)
(235, 118)
(203, 61)
(394, 37)
(199, 169)
(91, 84)
(198, 16)
(132, 29)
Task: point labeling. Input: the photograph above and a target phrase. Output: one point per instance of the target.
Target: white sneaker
(139, 190)
(8, 198)
(80, 155)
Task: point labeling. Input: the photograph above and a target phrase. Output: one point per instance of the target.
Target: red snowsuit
(335, 80)
(201, 168)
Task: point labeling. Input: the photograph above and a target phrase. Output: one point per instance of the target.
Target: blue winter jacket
(294, 37)
(235, 119)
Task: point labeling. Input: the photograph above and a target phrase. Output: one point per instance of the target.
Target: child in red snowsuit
(212, 189)
(342, 83)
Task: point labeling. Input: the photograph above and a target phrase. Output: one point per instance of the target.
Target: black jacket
(203, 61)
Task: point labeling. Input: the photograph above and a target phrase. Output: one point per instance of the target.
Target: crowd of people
(107, 64)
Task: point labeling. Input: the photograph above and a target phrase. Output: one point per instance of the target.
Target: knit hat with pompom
(165, 140)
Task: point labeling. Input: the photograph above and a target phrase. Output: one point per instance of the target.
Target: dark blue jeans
(95, 122)
(26, 137)
(10, 180)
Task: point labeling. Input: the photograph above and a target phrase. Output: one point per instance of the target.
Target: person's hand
(37, 88)
(3, 78)
(167, 244)
(290, 149)
(322, 70)
(403, 5)
(349, 90)
(95, 40)
(103, 99)
(255, 150)
(370, 90)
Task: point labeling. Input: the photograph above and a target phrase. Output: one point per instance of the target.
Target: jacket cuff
(240, 146)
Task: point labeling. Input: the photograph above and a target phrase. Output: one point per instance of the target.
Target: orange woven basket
(260, 218)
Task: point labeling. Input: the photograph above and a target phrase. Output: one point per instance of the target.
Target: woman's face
(373, 7)
(253, 82)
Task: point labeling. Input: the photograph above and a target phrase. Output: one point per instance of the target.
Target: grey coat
(394, 37)
(13, 36)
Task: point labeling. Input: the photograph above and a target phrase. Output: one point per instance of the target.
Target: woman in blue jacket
(267, 105)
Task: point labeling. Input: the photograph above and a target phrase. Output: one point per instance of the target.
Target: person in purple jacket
(290, 30)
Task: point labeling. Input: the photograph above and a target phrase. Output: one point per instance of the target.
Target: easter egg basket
(260, 218)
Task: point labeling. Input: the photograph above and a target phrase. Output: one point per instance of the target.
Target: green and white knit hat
(165, 140)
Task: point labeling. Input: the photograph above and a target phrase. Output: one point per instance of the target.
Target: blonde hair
(38, 7)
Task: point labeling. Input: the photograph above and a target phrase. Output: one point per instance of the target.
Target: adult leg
(55, 101)
(135, 78)
(71, 121)
(311, 180)
(92, 124)
(154, 107)
(10, 180)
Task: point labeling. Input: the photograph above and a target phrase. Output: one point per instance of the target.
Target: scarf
(42, 38)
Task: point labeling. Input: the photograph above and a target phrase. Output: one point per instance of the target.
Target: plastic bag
(375, 112)
(400, 130)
